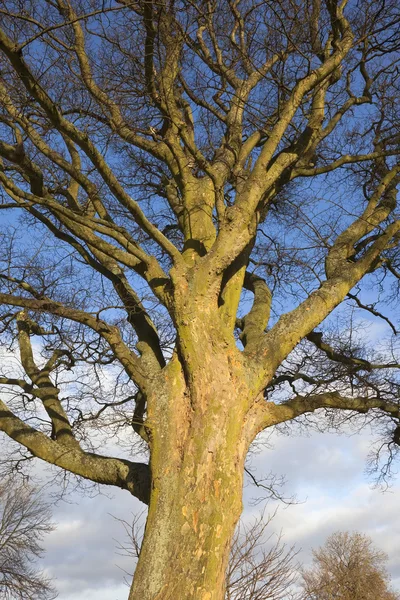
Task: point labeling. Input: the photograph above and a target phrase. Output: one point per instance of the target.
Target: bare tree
(25, 519)
(348, 567)
(261, 566)
(189, 190)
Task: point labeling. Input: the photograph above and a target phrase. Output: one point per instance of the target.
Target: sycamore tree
(189, 189)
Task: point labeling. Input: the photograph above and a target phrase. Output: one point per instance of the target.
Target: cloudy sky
(326, 472)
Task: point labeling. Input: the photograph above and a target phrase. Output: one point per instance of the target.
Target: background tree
(189, 189)
(24, 521)
(348, 567)
(260, 567)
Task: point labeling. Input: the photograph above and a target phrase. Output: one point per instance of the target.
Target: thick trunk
(187, 540)
(197, 414)
(196, 501)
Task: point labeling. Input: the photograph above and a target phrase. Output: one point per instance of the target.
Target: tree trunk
(187, 540)
(196, 499)
(200, 434)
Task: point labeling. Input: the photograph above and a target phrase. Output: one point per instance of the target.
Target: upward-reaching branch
(66, 127)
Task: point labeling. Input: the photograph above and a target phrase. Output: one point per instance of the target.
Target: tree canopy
(348, 567)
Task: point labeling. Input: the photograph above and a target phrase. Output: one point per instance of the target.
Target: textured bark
(199, 444)
(192, 517)
(196, 497)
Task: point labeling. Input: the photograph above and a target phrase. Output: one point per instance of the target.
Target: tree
(189, 190)
(24, 520)
(348, 567)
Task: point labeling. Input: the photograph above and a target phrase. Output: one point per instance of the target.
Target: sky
(326, 472)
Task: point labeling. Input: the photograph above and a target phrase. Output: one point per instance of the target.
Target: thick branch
(346, 159)
(301, 405)
(44, 387)
(256, 321)
(131, 476)
(295, 325)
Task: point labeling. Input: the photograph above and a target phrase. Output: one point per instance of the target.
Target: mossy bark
(199, 444)
(192, 517)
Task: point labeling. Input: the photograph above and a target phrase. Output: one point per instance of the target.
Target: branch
(300, 405)
(303, 87)
(280, 340)
(132, 476)
(359, 363)
(83, 141)
(51, 28)
(256, 320)
(381, 203)
(45, 389)
(370, 308)
(269, 168)
(83, 226)
(346, 159)
(115, 121)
